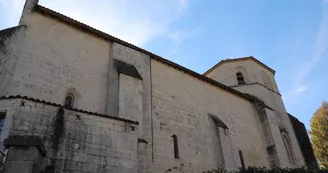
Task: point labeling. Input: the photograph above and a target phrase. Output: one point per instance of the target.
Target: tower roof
(240, 59)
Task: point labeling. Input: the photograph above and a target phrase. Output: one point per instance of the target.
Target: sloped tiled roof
(240, 59)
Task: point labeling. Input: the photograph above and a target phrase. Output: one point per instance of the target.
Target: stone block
(93, 151)
(127, 163)
(15, 166)
(125, 156)
(113, 134)
(87, 167)
(39, 105)
(38, 110)
(24, 153)
(112, 161)
(131, 137)
(96, 146)
(25, 141)
(79, 157)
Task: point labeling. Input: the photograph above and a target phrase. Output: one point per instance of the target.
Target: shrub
(268, 170)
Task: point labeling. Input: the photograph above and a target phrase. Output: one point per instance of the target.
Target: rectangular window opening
(2, 120)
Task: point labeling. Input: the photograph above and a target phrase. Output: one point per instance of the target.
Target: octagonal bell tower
(249, 75)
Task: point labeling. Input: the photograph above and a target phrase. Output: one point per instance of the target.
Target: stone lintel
(218, 122)
(127, 69)
(26, 141)
(140, 140)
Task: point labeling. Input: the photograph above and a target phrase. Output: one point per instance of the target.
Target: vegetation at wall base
(268, 170)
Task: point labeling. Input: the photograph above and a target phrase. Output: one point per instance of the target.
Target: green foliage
(267, 170)
(319, 134)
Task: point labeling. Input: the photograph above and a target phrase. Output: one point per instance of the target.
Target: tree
(319, 134)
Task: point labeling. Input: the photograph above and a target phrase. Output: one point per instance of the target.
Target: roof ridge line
(98, 33)
(239, 59)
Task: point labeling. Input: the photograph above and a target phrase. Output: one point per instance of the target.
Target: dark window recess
(241, 156)
(176, 147)
(127, 69)
(69, 101)
(2, 121)
(240, 78)
(218, 122)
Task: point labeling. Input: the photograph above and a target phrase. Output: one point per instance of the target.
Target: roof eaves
(262, 64)
(93, 31)
(73, 109)
(240, 59)
(293, 117)
(221, 62)
(5, 33)
(86, 28)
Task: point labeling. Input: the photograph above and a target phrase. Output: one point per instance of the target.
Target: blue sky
(290, 36)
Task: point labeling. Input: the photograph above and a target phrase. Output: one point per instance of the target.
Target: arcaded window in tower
(288, 147)
(240, 78)
(69, 100)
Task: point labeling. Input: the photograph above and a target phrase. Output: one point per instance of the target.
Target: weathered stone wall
(10, 53)
(282, 120)
(65, 59)
(181, 104)
(22, 159)
(75, 141)
(130, 98)
(125, 83)
(119, 101)
(252, 72)
(54, 57)
(269, 94)
(48, 58)
(262, 93)
(276, 138)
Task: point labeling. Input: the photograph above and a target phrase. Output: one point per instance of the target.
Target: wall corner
(28, 8)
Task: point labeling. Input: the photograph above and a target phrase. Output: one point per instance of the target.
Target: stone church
(75, 99)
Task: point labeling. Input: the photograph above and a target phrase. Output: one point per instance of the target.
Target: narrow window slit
(241, 156)
(176, 147)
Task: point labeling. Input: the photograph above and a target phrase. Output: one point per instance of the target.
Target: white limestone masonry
(48, 58)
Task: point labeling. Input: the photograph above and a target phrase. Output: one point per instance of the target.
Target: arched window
(288, 147)
(240, 78)
(69, 100)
